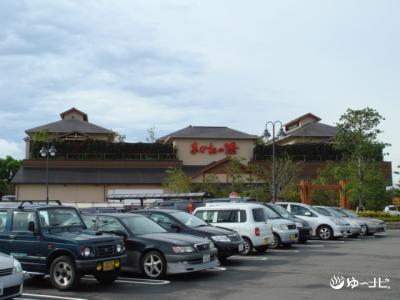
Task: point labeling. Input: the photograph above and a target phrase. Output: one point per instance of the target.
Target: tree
(151, 132)
(176, 181)
(8, 167)
(357, 136)
(119, 137)
(286, 177)
(42, 136)
(235, 173)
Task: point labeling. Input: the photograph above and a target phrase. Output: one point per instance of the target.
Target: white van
(248, 219)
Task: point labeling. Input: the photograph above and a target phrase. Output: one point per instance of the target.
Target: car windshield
(188, 219)
(270, 214)
(348, 212)
(280, 210)
(323, 211)
(59, 217)
(138, 225)
(338, 213)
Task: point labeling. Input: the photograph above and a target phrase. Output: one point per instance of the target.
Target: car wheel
(276, 241)
(63, 273)
(325, 232)
(153, 265)
(107, 277)
(248, 246)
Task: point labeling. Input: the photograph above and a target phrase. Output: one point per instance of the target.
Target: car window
(283, 205)
(323, 211)
(206, 215)
(109, 224)
(3, 220)
(90, 222)
(21, 220)
(163, 220)
(228, 216)
(188, 219)
(301, 211)
(243, 216)
(259, 215)
(270, 213)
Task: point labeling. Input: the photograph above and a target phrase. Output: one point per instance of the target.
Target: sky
(135, 64)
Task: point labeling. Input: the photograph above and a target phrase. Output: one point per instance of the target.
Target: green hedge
(379, 215)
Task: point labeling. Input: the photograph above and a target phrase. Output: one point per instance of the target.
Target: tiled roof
(209, 132)
(70, 125)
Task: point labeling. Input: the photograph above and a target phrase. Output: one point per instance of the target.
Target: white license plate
(1, 289)
(292, 237)
(206, 258)
(241, 247)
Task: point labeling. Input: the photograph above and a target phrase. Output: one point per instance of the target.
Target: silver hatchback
(11, 278)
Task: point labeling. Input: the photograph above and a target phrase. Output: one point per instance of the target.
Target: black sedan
(152, 250)
(228, 242)
(303, 226)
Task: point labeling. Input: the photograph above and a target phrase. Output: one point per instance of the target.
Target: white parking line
(236, 257)
(283, 251)
(134, 280)
(44, 296)
(216, 269)
(306, 245)
(325, 241)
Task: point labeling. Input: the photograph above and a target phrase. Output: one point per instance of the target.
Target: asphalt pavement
(362, 268)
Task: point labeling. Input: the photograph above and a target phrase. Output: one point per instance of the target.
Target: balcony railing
(109, 156)
(302, 157)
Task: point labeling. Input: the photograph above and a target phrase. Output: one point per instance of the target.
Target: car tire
(63, 273)
(153, 265)
(325, 232)
(248, 246)
(107, 278)
(365, 231)
(276, 241)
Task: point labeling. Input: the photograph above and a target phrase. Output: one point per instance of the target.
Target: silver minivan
(11, 278)
(323, 227)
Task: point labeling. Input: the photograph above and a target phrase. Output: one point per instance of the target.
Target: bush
(379, 215)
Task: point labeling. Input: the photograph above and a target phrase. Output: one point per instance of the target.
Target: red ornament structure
(228, 148)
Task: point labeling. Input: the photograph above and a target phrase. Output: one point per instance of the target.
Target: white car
(248, 219)
(393, 210)
(323, 227)
(11, 278)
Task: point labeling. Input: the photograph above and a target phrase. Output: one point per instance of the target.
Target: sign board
(396, 200)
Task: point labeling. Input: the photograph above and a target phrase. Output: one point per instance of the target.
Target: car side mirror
(307, 213)
(175, 227)
(31, 226)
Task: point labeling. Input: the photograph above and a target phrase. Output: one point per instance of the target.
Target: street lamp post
(47, 151)
(268, 135)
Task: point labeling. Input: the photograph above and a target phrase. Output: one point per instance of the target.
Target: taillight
(190, 208)
(257, 231)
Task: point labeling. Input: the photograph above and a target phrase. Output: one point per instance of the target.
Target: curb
(393, 225)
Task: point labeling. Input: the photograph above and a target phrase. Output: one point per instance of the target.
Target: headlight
(299, 225)
(17, 267)
(339, 222)
(183, 249)
(284, 227)
(212, 246)
(119, 248)
(220, 238)
(86, 252)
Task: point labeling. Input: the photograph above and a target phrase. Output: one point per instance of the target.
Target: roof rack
(21, 205)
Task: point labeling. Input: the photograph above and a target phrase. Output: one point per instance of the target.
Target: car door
(25, 244)
(305, 214)
(228, 218)
(4, 233)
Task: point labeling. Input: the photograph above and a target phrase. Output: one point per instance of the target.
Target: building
(89, 165)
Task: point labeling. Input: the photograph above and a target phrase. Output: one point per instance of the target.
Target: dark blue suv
(53, 240)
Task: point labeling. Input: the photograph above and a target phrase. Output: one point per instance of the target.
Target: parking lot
(298, 272)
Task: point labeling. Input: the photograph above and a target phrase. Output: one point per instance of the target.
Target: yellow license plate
(266, 241)
(108, 265)
(292, 237)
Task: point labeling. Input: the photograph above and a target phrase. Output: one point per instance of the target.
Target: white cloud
(13, 149)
